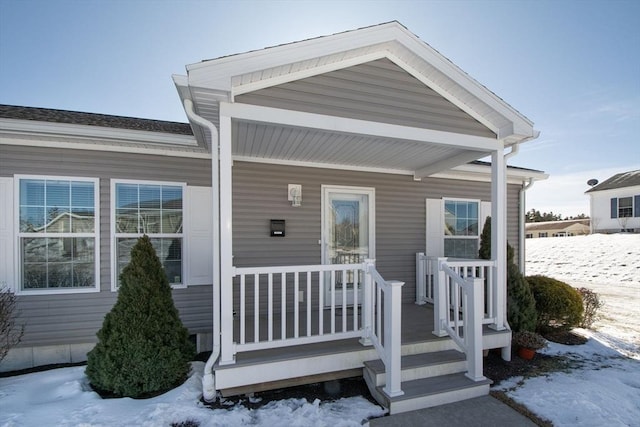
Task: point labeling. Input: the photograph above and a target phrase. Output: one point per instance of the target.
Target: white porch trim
(226, 241)
(499, 236)
(280, 116)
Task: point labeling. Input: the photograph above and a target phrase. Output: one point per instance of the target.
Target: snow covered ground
(603, 388)
(606, 264)
(62, 397)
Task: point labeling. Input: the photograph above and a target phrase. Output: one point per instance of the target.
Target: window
(625, 207)
(461, 235)
(57, 234)
(529, 235)
(543, 234)
(154, 209)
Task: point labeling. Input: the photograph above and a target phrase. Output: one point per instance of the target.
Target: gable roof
(92, 119)
(209, 82)
(621, 180)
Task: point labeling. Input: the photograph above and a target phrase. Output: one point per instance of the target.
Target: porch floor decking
(417, 327)
(272, 368)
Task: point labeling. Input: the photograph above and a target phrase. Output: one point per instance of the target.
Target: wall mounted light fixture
(295, 195)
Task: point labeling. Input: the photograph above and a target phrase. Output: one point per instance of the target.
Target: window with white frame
(461, 230)
(58, 229)
(154, 209)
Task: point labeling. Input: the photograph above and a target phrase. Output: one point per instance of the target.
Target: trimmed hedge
(559, 305)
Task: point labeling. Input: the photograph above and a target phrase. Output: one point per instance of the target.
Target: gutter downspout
(208, 380)
(521, 244)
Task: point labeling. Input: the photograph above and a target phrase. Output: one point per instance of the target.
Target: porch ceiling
(289, 144)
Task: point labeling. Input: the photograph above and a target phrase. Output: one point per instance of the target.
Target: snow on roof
(554, 225)
(621, 180)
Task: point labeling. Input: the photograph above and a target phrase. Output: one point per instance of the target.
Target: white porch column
(226, 243)
(499, 236)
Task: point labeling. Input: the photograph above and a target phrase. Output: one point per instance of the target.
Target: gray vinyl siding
(260, 194)
(376, 91)
(75, 318)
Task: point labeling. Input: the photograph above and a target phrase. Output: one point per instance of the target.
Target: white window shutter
(199, 253)
(485, 211)
(7, 240)
(434, 228)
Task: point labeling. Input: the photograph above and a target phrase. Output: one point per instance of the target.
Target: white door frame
(326, 191)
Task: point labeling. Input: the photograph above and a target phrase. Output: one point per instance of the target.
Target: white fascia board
(31, 127)
(463, 172)
(483, 174)
(34, 142)
(309, 72)
(219, 73)
(255, 113)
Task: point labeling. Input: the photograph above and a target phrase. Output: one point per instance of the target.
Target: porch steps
(427, 380)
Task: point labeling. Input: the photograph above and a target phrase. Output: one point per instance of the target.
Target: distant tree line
(534, 215)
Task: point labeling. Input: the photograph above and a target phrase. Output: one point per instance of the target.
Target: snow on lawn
(603, 387)
(62, 397)
(606, 264)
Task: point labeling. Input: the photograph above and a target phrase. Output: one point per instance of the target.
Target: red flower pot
(526, 353)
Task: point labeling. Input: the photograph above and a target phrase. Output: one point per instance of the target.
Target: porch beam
(444, 165)
(260, 114)
(499, 236)
(227, 355)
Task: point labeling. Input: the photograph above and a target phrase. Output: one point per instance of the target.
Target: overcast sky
(572, 67)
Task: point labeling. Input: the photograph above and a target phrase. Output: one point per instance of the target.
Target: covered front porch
(301, 131)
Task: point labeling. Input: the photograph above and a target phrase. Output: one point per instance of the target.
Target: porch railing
(458, 313)
(427, 276)
(382, 325)
(272, 312)
(463, 293)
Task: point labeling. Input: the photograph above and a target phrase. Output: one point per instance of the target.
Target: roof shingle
(92, 119)
(621, 180)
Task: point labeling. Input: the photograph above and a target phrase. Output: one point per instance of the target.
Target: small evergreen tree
(143, 347)
(521, 305)
(485, 240)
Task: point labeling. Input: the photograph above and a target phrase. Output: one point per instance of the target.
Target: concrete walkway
(484, 411)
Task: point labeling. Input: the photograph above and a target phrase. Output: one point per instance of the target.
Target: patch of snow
(603, 387)
(62, 397)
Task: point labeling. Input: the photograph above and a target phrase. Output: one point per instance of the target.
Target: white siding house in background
(318, 217)
(615, 204)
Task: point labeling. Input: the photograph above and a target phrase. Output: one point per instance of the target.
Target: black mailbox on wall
(277, 228)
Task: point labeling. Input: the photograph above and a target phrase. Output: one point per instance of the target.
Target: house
(566, 228)
(615, 204)
(318, 217)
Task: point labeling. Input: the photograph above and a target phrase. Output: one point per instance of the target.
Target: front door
(347, 235)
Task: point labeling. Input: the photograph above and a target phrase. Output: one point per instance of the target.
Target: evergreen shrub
(559, 305)
(143, 348)
(521, 306)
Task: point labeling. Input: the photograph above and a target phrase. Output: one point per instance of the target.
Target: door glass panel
(347, 235)
(349, 232)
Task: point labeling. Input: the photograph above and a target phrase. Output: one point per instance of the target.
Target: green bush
(143, 349)
(559, 305)
(591, 303)
(521, 306)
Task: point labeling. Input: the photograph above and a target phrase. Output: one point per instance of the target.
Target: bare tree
(10, 332)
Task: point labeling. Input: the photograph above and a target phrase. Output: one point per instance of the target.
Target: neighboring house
(615, 204)
(321, 189)
(570, 227)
